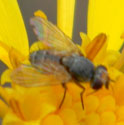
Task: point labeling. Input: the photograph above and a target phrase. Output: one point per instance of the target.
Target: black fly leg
(81, 94)
(65, 89)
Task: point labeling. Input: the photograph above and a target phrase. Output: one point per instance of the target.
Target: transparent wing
(29, 76)
(53, 37)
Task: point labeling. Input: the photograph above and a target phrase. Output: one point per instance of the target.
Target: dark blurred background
(28, 7)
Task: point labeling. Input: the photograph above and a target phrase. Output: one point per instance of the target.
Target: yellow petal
(46, 109)
(12, 29)
(119, 90)
(85, 40)
(120, 62)
(111, 57)
(13, 55)
(23, 100)
(42, 107)
(107, 16)
(3, 109)
(16, 58)
(114, 74)
(40, 14)
(94, 47)
(81, 49)
(4, 93)
(52, 120)
(12, 119)
(5, 77)
(65, 16)
(37, 46)
(16, 108)
(4, 57)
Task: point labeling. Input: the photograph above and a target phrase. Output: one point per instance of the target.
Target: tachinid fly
(60, 63)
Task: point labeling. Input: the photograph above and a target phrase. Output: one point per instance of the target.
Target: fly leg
(81, 94)
(65, 89)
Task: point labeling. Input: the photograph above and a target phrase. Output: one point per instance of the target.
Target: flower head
(39, 105)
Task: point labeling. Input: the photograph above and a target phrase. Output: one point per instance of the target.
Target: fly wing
(53, 37)
(45, 74)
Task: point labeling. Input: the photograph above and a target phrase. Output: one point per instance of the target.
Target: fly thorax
(80, 68)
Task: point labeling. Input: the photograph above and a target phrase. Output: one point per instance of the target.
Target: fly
(60, 63)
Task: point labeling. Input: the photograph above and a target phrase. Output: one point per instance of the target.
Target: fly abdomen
(38, 57)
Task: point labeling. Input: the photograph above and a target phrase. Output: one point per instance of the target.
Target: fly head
(100, 78)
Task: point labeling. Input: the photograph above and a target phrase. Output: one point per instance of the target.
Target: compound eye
(96, 84)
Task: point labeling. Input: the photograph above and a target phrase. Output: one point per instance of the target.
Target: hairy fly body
(60, 62)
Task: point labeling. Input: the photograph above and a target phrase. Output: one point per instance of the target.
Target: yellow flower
(39, 106)
(107, 16)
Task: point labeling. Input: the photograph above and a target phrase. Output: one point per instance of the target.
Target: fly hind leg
(65, 90)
